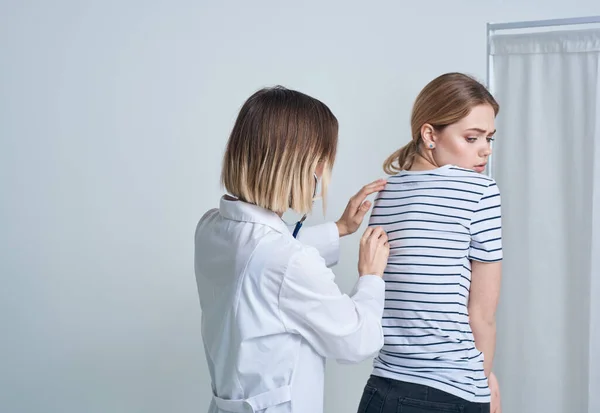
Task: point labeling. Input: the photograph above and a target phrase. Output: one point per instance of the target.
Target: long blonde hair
(444, 101)
(278, 140)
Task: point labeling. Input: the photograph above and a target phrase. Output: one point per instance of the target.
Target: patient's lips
(480, 167)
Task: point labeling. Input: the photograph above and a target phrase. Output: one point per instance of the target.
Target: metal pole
(489, 83)
(543, 23)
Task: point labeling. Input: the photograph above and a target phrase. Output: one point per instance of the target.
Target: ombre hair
(278, 140)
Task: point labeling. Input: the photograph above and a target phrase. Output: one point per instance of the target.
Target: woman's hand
(496, 406)
(373, 253)
(357, 208)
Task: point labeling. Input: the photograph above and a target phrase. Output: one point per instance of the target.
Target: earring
(431, 145)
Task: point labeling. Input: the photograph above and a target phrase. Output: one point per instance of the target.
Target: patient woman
(442, 217)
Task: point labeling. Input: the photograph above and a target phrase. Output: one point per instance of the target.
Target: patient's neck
(422, 164)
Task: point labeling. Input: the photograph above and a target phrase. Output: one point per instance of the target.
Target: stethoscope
(298, 226)
(299, 223)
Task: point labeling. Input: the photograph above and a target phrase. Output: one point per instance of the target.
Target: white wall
(113, 118)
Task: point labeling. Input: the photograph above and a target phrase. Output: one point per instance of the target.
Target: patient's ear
(428, 135)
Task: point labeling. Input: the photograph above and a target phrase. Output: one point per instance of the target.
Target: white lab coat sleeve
(347, 328)
(325, 238)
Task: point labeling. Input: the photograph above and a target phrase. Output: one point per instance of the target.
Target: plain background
(113, 120)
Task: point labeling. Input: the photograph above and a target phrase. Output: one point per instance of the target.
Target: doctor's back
(271, 311)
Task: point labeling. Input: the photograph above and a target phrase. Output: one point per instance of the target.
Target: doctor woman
(271, 311)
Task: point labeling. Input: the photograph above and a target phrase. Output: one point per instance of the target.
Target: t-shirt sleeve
(486, 227)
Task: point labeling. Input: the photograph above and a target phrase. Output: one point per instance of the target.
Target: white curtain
(547, 164)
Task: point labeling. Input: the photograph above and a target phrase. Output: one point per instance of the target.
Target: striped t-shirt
(437, 221)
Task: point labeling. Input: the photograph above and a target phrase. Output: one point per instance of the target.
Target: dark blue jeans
(383, 395)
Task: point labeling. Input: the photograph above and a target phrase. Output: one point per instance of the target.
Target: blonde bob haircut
(279, 139)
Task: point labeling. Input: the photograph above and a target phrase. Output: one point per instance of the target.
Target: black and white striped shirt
(437, 221)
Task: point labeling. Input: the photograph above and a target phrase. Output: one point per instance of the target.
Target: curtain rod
(543, 23)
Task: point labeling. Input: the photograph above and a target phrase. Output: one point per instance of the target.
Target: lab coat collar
(245, 212)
